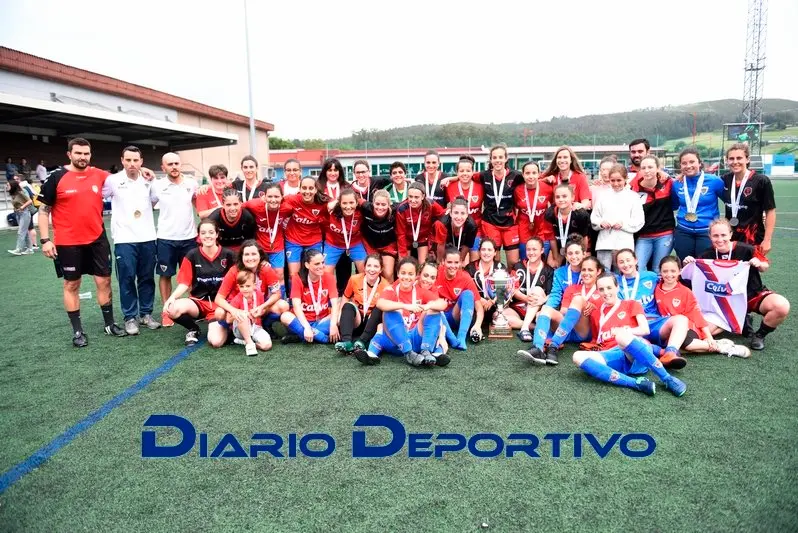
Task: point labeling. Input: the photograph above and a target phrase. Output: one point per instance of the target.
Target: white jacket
(624, 207)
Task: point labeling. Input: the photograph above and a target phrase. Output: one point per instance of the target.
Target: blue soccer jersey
(707, 201)
(563, 277)
(641, 289)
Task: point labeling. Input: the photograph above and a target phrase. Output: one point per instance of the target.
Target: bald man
(177, 229)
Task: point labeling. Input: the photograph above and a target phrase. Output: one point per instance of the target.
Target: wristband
(44, 240)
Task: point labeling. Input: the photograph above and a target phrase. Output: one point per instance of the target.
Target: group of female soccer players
(426, 251)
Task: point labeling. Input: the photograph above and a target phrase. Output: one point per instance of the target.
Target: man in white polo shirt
(133, 231)
(177, 229)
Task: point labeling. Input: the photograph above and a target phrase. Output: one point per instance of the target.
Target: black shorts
(93, 259)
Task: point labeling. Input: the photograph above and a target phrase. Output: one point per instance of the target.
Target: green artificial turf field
(725, 459)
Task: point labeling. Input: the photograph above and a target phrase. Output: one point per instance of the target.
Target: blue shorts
(477, 242)
(654, 325)
(333, 253)
(170, 255)
(574, 337)
(385, 345)
(293, 252)
(617, 360)
(277, 259)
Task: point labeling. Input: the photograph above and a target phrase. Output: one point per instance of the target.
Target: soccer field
(726, 457)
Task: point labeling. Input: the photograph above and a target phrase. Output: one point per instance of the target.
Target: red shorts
(506, 237)
(756, 301)
(519, 307)
(392, 249)
(206, 309)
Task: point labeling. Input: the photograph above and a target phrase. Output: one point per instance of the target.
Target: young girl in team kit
(414, 219)
(343, 232)
(411, 322)
(531, 202)
(566, 221)
(306, 215)
(269, 224)
(249, 302)
(535, 279)
(773, 307)
(379, 231)
(456, 230)
(360, 299)
(314, 302)
(201, 273)
(617, 216)
(572, 320)
(618, 326)
(474, 193)
(568, 274)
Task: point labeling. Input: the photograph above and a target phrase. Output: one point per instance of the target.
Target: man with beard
(638, 149)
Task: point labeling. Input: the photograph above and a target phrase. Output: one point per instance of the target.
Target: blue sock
(296, 327)
(396, 329)
(566, 326)
(379, 343)
(466, 303)
(269, 319)
(542, 327)
(320, 337)
(451, 338)
(606, 374)
(432, 326)
(673, 349)
(641, 352)
(657, 350)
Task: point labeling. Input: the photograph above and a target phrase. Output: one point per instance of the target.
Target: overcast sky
(327, 68)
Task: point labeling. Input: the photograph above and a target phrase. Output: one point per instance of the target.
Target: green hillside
(772, 141)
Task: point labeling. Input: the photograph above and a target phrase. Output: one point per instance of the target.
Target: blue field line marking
(44, 453)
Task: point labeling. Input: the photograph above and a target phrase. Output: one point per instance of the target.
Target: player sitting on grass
(411, 321)
(618, 326)
(578, 302)
(251, 304)
(314, 301)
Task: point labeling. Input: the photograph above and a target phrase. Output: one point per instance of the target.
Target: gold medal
(691, 217)
(137, 213)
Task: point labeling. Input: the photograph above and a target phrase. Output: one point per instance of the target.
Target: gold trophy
(502, 284)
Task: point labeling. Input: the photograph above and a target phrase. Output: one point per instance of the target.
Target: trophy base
(500, 332)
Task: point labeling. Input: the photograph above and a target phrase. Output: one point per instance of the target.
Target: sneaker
(728, 348)
(672, 361)
(115, 331)
(534, 354)
(443, 359)
(429, 359)
(290, 338)
(414, 359)
(675, 385)
(757, 342)
(646, 386)
(131, 327)
(166, 320)
(251, 350)
(344, 347)
(29, 251)
(366, 358)
(551, 355)
(240, 342)
(359, 345)
(192, 337)
(149, 322)
(16, 252)
(79, 340)
(34, 247)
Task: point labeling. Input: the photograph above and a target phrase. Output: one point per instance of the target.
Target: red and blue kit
(474, 193)
(269, 226)
(535, 201)
(248, 304)
(266, 282)
(591, 295)
(315, 296)
(450, 289)
(415, 295)
(305, 222)
(209, 200)
(606, 317)
(415, 225)
(338, 230)
(77, 204)
(680, 301)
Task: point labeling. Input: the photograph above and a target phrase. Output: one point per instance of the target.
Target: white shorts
(259, 335)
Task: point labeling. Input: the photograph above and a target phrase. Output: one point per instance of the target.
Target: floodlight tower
(755, 41)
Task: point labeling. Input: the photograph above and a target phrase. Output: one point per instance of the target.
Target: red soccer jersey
(306, 220)
(268, 225)
(680, 301)
(333, 232)
(475, 194)
(76, 199)
(594, 297)
(255, 299)
(538, 226)
(323, 291)
(579, 186)
(451, 289)
(625, 315)
(422, 296)
(407, 218)
(266, 282)
(210, 200)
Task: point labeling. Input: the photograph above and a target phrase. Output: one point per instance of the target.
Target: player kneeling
(411, 322)
(617, 326)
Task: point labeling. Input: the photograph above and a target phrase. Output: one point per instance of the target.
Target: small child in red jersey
(249, 304)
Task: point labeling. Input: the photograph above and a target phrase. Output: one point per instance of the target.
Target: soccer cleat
(728, 348)
(16, 252)
(251, 350)
(148, 322)
(534, 355)
(115, 331)
(443, 360)
(79, 340)
(290, 338)
(359, 345)
(366, 358)
(166, 320)
(344, 347)
(414, 359)
(646, 386)
(192, 337)
(672, 361)
(131, 328)
(757, 342)
(551, 355)
(675, 385)
(429, 359)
